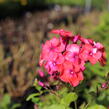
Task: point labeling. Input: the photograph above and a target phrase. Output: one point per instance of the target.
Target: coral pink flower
(62, 32)
(85, 51)
(102, 60)
(86, 41)
(68, 74)
(90, 53)
(94, 57)
(51, 49)
(64, 58)
(51, 67)
(74, 48)
(72, 52)
(76, 38)
(101, 49)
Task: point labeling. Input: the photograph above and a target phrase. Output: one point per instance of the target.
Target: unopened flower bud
(104, 85)
(41, 84)
(41, 74)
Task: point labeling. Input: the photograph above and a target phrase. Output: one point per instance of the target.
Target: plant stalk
(75, 103)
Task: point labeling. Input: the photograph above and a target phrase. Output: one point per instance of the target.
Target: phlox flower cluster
(64, 58)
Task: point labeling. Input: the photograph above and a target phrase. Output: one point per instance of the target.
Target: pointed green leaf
(70, 97)
(32, 95)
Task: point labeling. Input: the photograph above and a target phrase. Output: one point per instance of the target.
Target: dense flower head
(64, 58)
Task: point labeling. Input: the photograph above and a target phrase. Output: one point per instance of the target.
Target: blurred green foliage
(95, 3)
(67, 2)
(97, 74)
(16, 7)
(102, 4)
(7, 104)
(59, 100)
(100, 33)
(96, 107)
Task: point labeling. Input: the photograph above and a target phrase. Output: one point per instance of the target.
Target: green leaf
(70, 97)
(56, 106)
(32, 95)
(82, 106)
(97, 107)
(14, 106)
(35, 100)
(5, 101)
(92, 93)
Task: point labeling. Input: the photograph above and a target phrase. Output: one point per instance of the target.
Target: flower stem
(75, 103)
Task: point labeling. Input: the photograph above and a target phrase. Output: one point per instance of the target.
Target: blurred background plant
(6, 103)
(24, 26)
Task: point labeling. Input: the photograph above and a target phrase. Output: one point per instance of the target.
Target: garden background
(25, 25)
